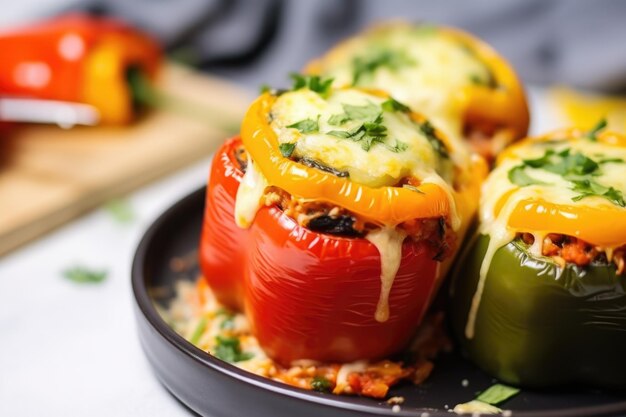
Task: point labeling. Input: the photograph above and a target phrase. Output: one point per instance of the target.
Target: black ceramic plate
(214, 388)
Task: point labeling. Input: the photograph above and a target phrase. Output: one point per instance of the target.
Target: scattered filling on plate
(195, 314)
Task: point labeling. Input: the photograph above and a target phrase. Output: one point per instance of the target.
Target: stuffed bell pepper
(462, 85)
(78, 58)
(539, 297)
(333, 219)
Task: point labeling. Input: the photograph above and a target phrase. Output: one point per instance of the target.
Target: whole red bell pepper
(308, 295)
(78, 58)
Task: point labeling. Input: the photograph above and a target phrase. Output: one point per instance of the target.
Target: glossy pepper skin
(78, 58)
(308, 295)
(222, 241)
(536, 327)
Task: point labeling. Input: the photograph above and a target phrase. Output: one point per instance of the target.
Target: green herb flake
(198, 331)
(338, 119)
(315, 83)
(286, 149)
(369, 112)
(229, 349)
(321, 384)
(120, 210)
(437, 144)
(611, 161)
(83, 275)
(592, 134)
(265, 88)
(518, 176)
(392, 105)
(590, 188)
(398, 147)
(497, 394)
(306, 126)
(385, 58)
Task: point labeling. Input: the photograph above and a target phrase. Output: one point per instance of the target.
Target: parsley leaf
(589, 188)
(497, 394)
(429, 131)
(120, 210)
(286, 149)
(83, 275)
(369, 112)
(591, 135)
(321, 384)
(229, 349)
(338, 119)
(264, 88)
(564, 163)
(392, 105)
(306, 126)
(198, 331)
(312, 82)
(518, 176)
(398, 147)
(368, 65)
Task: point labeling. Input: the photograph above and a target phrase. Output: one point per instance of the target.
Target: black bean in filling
(339, 226)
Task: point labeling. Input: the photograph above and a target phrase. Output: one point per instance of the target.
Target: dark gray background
(576, 42)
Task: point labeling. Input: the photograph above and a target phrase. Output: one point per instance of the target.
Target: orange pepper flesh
(602, 226)
(386, 205)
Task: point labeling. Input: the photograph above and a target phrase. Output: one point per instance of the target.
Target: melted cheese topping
(388, 241)
(249, 194)
(376, 167)
(430, 74)
(553, 188)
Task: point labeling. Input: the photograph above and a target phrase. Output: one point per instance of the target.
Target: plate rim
(144, 303)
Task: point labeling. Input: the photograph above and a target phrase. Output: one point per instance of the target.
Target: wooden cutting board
(49, 175)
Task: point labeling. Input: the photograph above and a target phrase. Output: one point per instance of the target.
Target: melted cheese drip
(476, 407)
(249, 195)
(556, 189)
(345, 370)
(388, 241)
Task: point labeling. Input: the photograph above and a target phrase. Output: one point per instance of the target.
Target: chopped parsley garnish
(265, 88)
(120, 210)
(338, 119)
(229, 349)
(368, 65)
(315, 83)
(398, 147)
(198, 331)
(286, 149)
(429, 131)
(574, 167)
(591, 135)
(369, 112)
(83, 275)
(306, 125)
(321, 384)
(588, 188)
(392, 105)
(518, 176)
(497, 394)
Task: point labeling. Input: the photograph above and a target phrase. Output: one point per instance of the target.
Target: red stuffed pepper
(333, 220)
(78, 58)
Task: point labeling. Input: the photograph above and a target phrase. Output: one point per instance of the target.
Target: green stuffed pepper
(538, 298)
